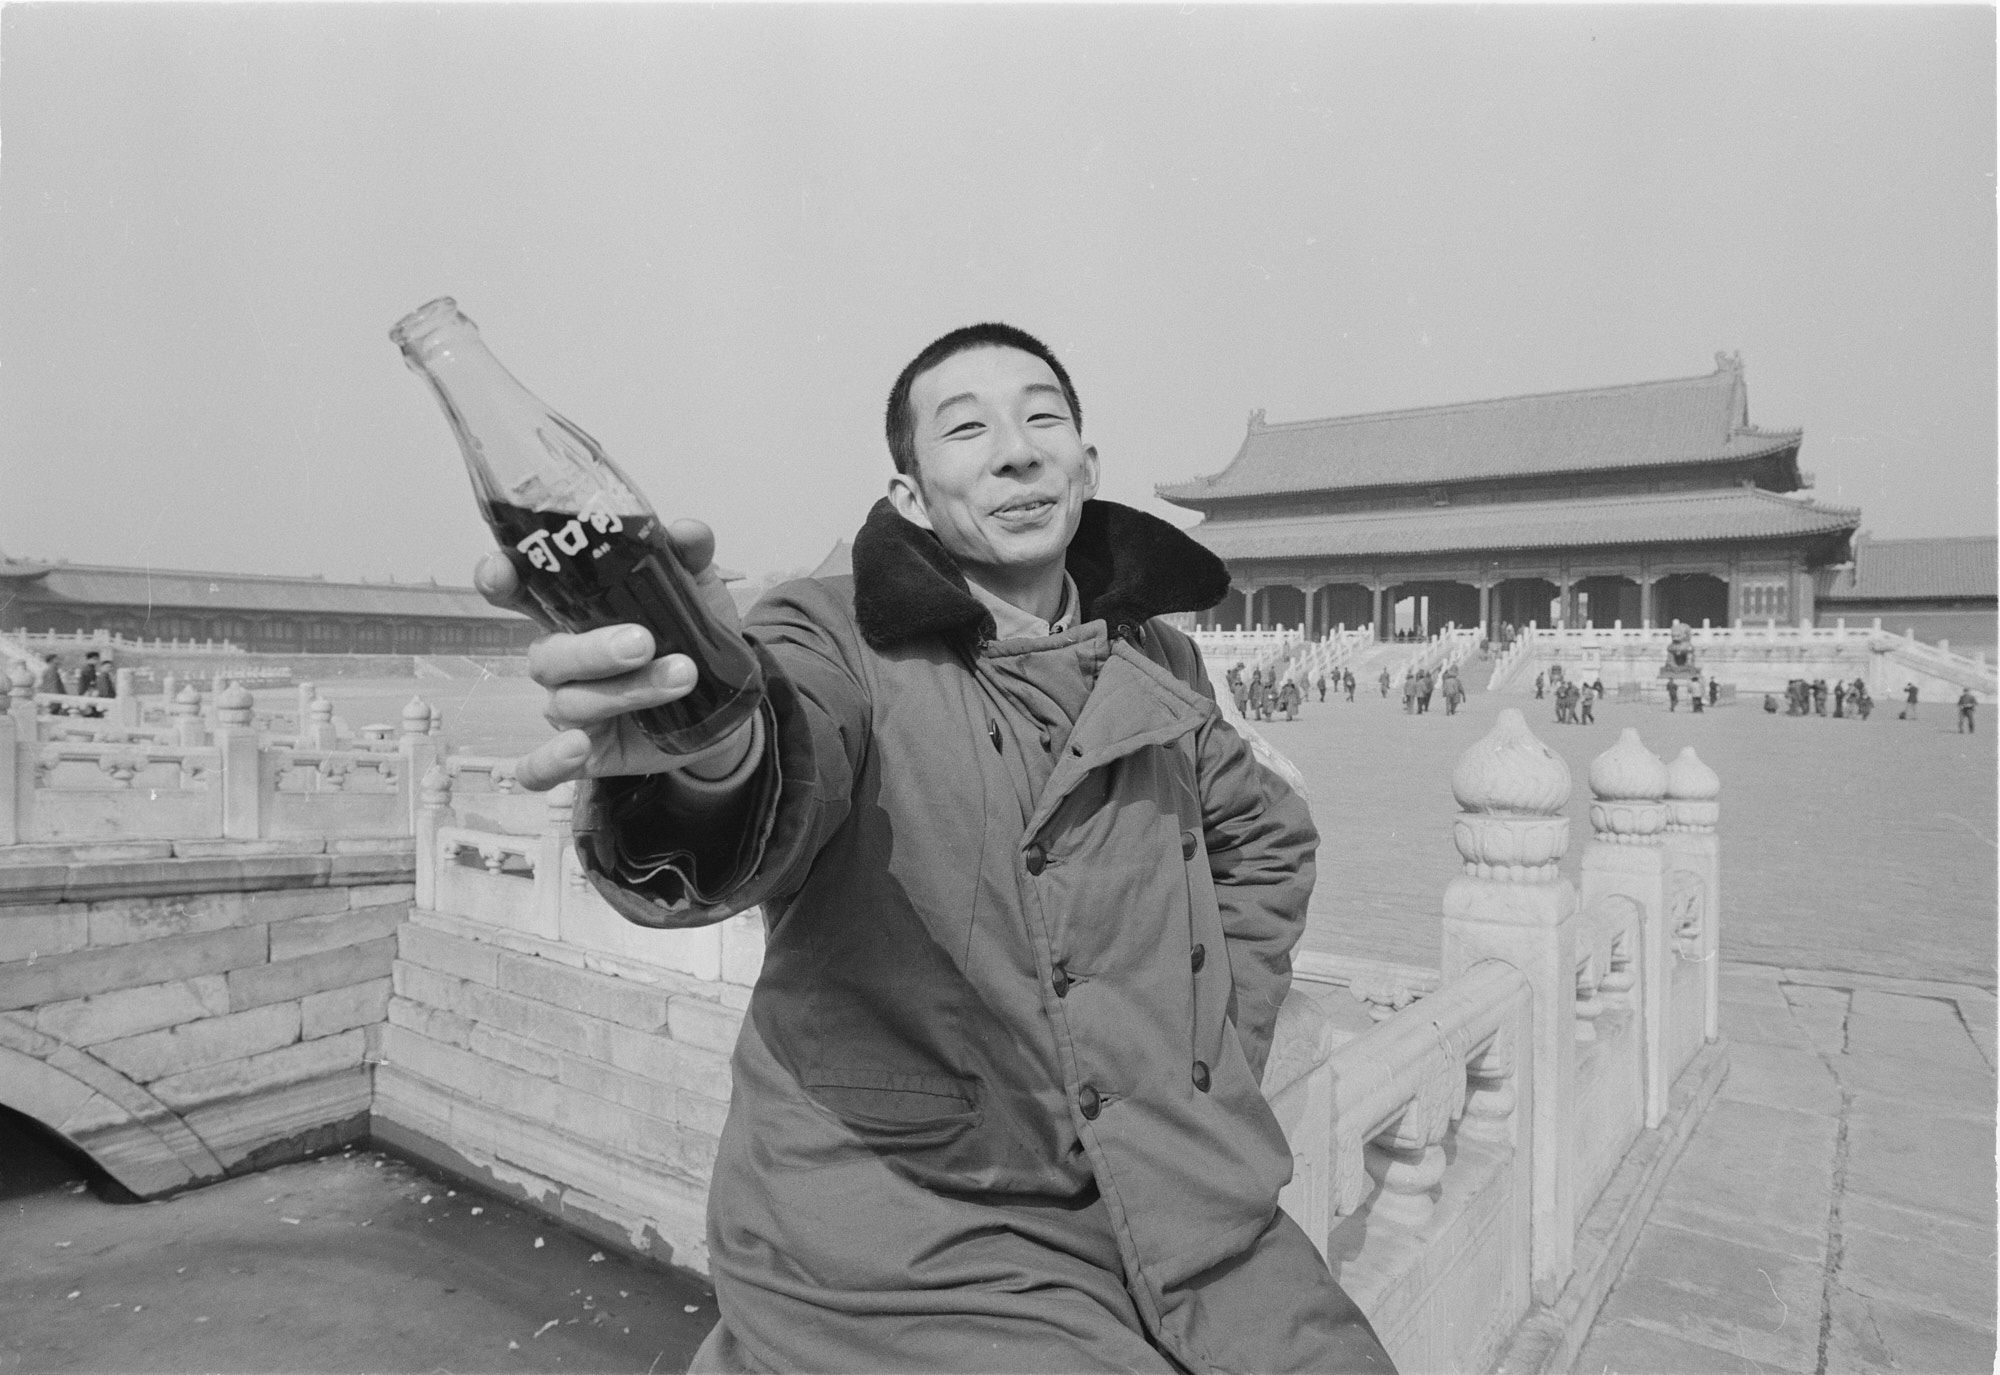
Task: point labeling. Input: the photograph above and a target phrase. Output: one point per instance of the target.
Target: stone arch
(130, 1134)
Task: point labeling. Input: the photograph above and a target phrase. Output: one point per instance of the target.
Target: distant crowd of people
(1852, 700)
(94, 677)
(1262, 694)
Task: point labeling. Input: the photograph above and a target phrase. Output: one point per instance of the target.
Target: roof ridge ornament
(1729, 362)
(1256, 419)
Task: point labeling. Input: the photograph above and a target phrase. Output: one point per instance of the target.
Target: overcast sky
(711, 236)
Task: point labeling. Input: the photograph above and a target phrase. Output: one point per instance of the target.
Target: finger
(556, 760)
(587, 704)
(602, 653)
(496, 580)
(694, 543)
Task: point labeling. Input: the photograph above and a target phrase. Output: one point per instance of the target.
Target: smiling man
(1029, 905)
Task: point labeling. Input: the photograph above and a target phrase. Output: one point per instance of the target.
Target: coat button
(1201, 1076)
(1038, 859)
(1188, 844)
(1198, 957)
(1087, 1101)
(1061, 980)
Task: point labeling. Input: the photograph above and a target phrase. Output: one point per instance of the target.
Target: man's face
(1001, 472)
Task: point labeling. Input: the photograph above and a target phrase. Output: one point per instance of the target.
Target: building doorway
(1526, 601)
(1343, 603)
(1694, 598)
(1280, 605)
(1607, 601)
(1226, 614)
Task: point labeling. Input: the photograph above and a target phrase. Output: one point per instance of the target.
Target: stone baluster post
(125, 707)
(1625, 862)
(306, 695)
(419, 753)
(1691, 845)
(549, 851)
(15, 769)
(1511, 904)
(20, 703)
(189, 732)
(433, 811)
(237, 743)
(213, 704)
(321, 734)
(170, 685)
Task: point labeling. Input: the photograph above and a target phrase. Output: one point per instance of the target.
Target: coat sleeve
(1261, 842)
(663, 859)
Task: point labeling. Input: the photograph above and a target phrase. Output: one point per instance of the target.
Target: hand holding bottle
(649, 670)
(597, 679)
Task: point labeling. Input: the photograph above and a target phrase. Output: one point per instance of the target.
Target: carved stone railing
(69, 780)
(1470, 1158)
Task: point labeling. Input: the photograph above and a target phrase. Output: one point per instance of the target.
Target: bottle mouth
(410, 331)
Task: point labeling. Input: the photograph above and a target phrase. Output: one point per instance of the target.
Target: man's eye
(963, 427)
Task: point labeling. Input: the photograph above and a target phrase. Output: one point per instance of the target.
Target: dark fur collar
(1128, 566)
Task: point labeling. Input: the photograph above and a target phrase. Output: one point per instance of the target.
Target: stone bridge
(223, 945)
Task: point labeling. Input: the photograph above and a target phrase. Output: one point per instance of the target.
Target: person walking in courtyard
(49, 677)
(1454, 691)
(965, 1140)
(1409, 694)
(1320, 683)
(1863, 702)
(1347, 681)
(1714, 691)
(1819, 696)
(1966, 705)
(1839, 697)
(1425, 686)
(1385, 684)
(1909, 711)
(1288, 700)
(1540, 682)
(1584, 713)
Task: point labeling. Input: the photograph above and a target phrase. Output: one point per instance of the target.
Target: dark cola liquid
(588, 573)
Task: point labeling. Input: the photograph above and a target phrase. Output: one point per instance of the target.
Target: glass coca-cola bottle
(588, 549)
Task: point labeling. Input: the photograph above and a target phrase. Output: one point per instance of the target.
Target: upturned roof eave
(1202, 493)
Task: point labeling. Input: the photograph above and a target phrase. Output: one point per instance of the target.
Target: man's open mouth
(1025, 506)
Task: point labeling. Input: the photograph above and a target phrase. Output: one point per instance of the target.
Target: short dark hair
(897, 422)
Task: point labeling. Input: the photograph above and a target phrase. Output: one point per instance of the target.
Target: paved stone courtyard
(1834, 1213)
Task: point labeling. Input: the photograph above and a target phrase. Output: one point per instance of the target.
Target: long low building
(1636, 505)
(1946, 588)
(257, 612)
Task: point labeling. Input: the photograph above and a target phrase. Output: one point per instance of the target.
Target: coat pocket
(900, 1109)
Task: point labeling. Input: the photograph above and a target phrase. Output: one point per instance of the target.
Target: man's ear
(906, 494)
(1090, 469)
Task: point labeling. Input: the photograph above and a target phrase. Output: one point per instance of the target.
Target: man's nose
(1014, 450)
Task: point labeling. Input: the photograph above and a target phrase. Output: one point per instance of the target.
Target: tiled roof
(1644, 424)
(99, 584)
(1680, 517)
(1884, 570)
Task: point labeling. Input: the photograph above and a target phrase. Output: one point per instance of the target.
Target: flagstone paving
(1834, 1212)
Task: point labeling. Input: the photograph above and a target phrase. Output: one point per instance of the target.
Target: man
(1030, 904)
(1967, 703)
(1909, 711)
(1347, 682)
